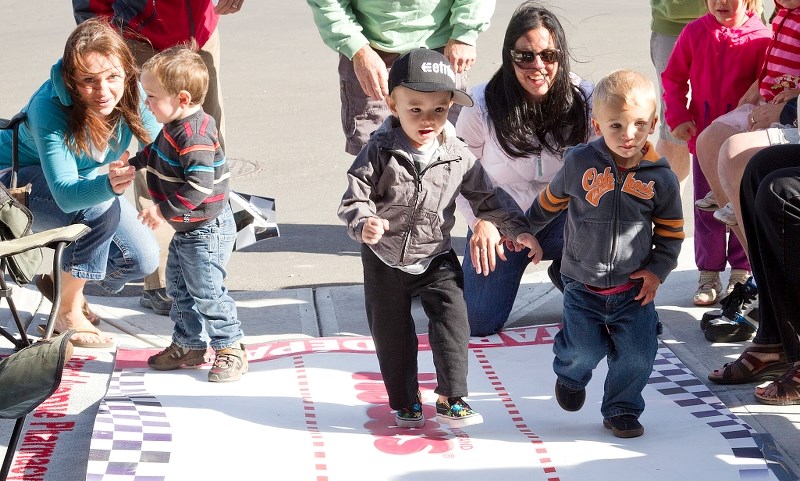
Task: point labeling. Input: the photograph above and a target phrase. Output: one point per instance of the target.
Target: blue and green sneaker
(456, 413)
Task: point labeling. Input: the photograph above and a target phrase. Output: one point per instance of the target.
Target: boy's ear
(596, 127)
(184, 98)
(653, 125)
(391, 104)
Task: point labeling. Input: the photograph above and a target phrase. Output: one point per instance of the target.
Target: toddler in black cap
(399, 205)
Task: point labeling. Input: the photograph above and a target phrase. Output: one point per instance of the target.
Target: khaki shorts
(660, 49)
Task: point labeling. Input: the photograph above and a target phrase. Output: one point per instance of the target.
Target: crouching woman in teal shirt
(80, 120)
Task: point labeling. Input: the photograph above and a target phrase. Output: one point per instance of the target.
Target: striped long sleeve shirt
(187, 174)
(782, 69)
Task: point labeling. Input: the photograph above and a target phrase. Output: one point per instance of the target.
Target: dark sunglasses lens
(549, 56)
(526, 59)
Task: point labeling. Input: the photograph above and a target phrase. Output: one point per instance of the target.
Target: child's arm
(373, 229)
(650, 283)
(496, 206)
(357, 206)
(120, 174)
(685, 131)
(151, 217)
(552, 201)
(198, 167)
(529, 240)
(668, 235)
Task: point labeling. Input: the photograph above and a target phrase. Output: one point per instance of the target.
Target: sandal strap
(748, 364)
(788, 385)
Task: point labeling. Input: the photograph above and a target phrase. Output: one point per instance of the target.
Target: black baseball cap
(426, 70)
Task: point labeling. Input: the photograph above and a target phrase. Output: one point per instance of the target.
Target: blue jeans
(117, 250)
(490, 298)
(614, 326)
(195, 274)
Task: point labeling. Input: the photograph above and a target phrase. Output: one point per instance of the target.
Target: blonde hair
(84, 127)
(624, 87)
(180, 68)
(755, 6)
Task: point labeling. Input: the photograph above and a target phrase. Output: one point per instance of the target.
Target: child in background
(187, 177)
(400, 205)
(622, 238)
(777, 83)
(719, 55)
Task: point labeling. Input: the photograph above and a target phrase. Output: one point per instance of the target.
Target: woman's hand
(765, 115)
(486, 241)
(786, 96)
(120, 174)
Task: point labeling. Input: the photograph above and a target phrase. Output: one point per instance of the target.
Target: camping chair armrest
(12, 122)
(48, 238)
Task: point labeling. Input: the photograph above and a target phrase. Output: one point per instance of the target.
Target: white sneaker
(726, 215)
(709, 202)
(709, 288)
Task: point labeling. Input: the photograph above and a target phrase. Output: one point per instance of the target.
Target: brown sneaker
(175, 357)
(229, 365)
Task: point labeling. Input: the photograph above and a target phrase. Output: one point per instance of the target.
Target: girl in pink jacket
(719, 56)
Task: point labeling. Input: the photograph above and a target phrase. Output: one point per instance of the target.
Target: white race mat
(315, 409)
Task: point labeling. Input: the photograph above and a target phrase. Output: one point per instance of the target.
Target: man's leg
(675, 150)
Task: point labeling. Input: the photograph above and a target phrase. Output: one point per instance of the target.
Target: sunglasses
(527, 59)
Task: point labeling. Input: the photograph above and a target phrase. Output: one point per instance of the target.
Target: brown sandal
(787, 389)
(749, 368)
(45, 285)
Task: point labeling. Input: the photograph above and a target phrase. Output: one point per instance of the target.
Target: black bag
(15, 222)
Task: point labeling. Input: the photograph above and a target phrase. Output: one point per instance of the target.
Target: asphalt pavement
(282, 107)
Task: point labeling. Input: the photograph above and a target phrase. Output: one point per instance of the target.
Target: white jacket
(524, 177)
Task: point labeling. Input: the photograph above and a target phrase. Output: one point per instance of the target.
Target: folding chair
(57, 240)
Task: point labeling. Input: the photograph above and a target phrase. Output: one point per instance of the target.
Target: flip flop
(43, 328)
(788, 389)
(749, 368)
(45, 285)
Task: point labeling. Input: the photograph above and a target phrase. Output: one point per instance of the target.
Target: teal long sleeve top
(74, 179)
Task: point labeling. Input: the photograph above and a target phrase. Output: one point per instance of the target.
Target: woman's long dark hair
(520, 125)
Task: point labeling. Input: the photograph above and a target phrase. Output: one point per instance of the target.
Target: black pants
(770, 196)
(387, 297)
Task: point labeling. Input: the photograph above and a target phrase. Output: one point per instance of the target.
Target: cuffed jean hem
(233, 342)
(620, 412)
(194, 347)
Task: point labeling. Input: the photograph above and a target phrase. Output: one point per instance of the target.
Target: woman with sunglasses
(523, 118)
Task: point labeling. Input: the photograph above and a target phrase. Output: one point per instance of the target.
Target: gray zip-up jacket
(383, 182)
(617, 222)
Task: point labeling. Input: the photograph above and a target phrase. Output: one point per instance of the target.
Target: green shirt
(346, 26)
(670, 16)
